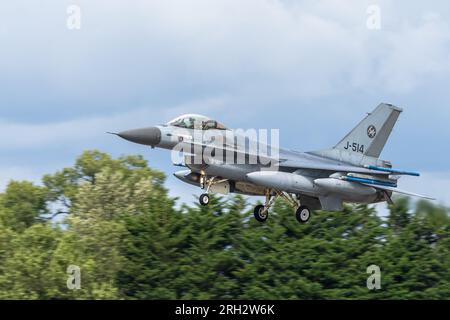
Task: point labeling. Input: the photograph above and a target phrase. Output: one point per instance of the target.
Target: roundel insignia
(371, 131)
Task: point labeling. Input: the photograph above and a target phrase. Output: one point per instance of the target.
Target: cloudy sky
(310, 68)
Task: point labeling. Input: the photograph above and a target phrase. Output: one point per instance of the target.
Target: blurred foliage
(114, 219)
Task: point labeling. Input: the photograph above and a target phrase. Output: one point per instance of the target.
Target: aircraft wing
(386, 188)
(311, 162)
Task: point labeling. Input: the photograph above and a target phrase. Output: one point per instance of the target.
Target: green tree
(131, 241)
(326, 258)
(96, 233)
(415, 260)
(22, 204)
(25, 264)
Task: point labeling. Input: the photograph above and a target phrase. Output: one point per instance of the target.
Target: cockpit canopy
(196, 121)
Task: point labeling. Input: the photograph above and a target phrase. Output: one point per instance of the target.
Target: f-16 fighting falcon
(220, 160)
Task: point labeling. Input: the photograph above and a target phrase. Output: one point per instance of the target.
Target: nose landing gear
(205, 184)
(204, 199)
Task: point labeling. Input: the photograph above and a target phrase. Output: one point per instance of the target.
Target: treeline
(113, 219)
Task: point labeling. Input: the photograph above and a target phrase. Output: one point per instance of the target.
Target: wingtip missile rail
(393, 171)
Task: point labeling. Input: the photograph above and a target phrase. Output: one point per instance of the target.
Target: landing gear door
(221, 187)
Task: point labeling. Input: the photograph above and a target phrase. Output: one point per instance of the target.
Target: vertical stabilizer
(370, 135)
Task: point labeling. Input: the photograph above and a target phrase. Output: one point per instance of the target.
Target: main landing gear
(303, 213)
(261, 212)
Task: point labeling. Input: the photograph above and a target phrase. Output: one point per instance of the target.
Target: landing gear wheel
(303, 214)
(260, 214)
(204, 199)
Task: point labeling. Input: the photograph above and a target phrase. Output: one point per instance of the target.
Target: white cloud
(131, 60)
(415, 52)
(160, 50)
(65, 133)
(434, 184)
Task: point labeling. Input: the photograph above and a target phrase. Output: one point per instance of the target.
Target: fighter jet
(349, 172)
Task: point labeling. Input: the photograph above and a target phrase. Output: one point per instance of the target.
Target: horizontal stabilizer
(386, 188)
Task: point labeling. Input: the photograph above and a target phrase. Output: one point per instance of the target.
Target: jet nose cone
(148, 136)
